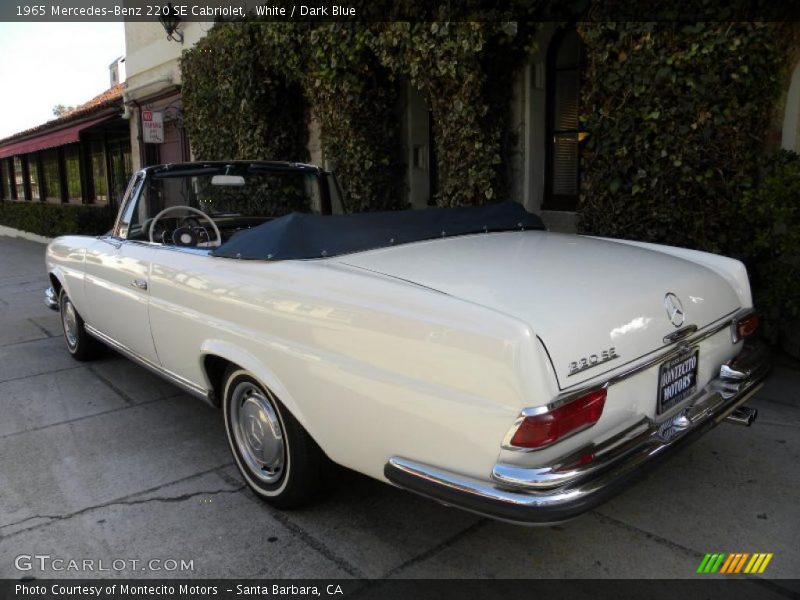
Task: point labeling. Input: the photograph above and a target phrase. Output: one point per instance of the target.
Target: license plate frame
(677, 380)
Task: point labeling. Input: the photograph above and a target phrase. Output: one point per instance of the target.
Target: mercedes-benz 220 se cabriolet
(466, 354)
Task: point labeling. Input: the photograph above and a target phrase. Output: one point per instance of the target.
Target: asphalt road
(106, 461)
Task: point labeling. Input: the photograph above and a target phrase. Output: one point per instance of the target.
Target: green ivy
(249, 88)
(677, 118)
(52, 220)
(465, 70)
(238, 105)
(355, 99)
(769, 233)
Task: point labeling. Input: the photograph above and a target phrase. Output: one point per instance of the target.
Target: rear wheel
(277, 457)
(80, 344)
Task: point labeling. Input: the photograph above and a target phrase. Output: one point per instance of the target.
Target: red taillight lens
(542, 430)
(747, 326)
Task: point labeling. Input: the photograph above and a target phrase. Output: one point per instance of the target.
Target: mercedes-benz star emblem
(255, 433)
(674, 309)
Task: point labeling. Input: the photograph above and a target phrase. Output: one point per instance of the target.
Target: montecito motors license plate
(677, 380)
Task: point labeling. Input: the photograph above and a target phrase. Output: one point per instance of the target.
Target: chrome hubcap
(70, 320)
(258, 433)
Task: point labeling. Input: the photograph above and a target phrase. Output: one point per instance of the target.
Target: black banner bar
(744, 588)
(34, 11)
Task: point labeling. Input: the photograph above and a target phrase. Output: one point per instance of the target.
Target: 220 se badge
(431, 349)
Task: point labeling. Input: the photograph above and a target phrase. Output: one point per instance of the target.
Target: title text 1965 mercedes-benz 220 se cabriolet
(466, 354)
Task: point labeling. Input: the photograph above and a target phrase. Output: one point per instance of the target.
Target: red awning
(51, 139)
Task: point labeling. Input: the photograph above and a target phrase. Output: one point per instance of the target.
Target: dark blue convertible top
(299, 235)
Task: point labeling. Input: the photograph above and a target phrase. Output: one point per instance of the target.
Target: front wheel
(80, 344)
(279, 460)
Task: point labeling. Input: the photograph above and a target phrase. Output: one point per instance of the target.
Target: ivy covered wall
(237, 104)
(249, 88)
(677, 117)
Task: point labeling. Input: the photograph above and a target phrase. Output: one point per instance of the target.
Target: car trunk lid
(582, 296)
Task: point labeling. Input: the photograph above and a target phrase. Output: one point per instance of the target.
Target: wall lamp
(170, 20)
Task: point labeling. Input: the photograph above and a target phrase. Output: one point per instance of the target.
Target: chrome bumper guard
(583, 479)
(51, 299)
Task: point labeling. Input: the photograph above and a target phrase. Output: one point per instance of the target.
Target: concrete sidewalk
(104, 460)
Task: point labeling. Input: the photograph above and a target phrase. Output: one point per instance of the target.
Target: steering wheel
(191, 238)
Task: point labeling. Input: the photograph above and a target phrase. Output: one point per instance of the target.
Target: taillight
(746, 326)
(538, 431)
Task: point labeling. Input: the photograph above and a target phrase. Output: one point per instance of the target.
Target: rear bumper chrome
(583, 479)
(51, 299)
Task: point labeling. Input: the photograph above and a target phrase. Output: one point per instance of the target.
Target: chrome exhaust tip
(743, 415)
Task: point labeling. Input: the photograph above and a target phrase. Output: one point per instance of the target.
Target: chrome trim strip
(50, 299)
(173, 378)
(566, 396)
(647, 433)
(677, 336)
(572, 485)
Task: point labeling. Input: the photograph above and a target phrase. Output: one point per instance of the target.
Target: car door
(117, 285)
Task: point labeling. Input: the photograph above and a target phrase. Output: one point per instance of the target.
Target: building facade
(82, 157)
(153, 85)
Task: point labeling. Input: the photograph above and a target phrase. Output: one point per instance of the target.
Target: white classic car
(467, 354)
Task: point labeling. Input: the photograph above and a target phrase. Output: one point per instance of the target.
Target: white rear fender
(732, 270)
(248, 361)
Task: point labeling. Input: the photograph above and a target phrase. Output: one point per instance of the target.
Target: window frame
(129, 200)
(20, 178)
(11, 189)
(33, 159)
(75, 150)
(551, 200)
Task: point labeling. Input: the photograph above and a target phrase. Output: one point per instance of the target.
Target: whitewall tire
(80, 344)
(278, 459)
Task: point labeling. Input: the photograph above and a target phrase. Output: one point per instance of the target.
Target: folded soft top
(299, 236)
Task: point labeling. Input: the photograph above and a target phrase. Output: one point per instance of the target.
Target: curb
(26, 235)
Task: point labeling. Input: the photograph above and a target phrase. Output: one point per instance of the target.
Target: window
(3, 190)
(98, 159)
(72, 164)
(121, 167)
(33, 176)
(19, 178)
(9, 184)
(564, 136)
(51, 175)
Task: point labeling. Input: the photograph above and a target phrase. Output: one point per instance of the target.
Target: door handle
(139, 283)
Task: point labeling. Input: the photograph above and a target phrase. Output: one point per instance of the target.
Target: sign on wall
(153, 127)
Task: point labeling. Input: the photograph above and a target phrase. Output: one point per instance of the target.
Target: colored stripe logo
(735, 562)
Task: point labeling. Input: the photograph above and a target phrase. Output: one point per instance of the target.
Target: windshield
(214, 202)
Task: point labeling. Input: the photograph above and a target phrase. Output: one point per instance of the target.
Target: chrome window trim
(131, 193)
